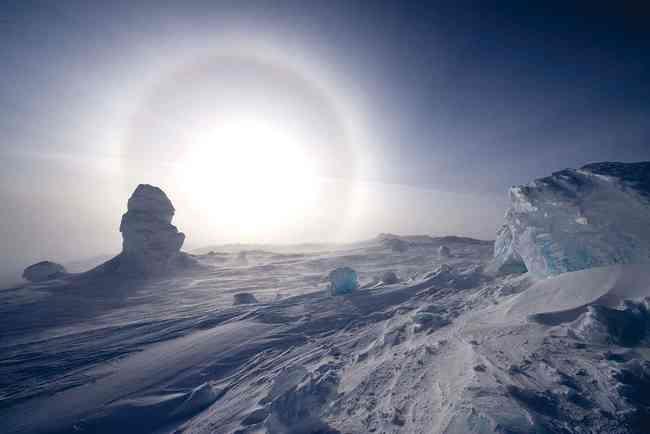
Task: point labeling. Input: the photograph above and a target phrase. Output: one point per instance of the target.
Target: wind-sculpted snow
(577, 219)
(151, 244)
(445, 349)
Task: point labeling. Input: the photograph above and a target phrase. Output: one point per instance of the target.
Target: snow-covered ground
(450, 348)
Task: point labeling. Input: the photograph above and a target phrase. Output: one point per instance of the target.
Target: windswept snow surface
(446, 349)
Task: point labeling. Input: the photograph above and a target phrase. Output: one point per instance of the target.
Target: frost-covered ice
(577, 219)
(343, 280)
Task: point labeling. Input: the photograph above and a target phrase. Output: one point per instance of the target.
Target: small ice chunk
(343, 280)
(244, 298)
(389, 277)
(444, 252)
(42, 271)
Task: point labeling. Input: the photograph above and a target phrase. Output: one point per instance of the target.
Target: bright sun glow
(250, 173)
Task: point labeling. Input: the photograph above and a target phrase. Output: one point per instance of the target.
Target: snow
(448, 349)
(570, 291)
(460, 346)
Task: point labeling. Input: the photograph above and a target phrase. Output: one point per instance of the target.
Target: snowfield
(448, 348)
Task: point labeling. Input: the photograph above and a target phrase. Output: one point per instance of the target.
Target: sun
(250, 173)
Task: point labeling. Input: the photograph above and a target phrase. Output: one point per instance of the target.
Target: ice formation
(244, 298)
(393, 242)
(151, 244)
(389, 277)
(343, 280)
(42, 271)
(576, 219)
(444, 252)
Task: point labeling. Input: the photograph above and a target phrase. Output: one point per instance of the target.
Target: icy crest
(576, 219)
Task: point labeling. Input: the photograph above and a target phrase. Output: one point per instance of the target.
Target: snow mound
(43, 271)
(343, 280)
(627, 325)
(577, 219)
(146, 413)
(563, 298)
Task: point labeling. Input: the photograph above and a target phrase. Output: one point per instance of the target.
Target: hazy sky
(277, 121)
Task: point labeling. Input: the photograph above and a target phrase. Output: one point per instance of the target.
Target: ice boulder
(444, 252)
(43, 271)
(343, 280)
(244, 298)
(389, 277)
(576, 219)
(150, 243)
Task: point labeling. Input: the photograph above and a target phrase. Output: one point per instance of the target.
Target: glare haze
(268, 126)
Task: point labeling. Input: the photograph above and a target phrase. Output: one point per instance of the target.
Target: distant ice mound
(444, 252)
(393, 242)
(343, 280)
(43, 271)
(244, 298)
(576, 219)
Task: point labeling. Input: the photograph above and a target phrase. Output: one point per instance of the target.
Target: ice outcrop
(444, 252)
(244, 298)
(576, 219)
(507, 260)
(42, 271)
(389, 277)
(343, 280)
(150, 243)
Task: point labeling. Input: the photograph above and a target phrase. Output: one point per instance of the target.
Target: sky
(295, 121)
